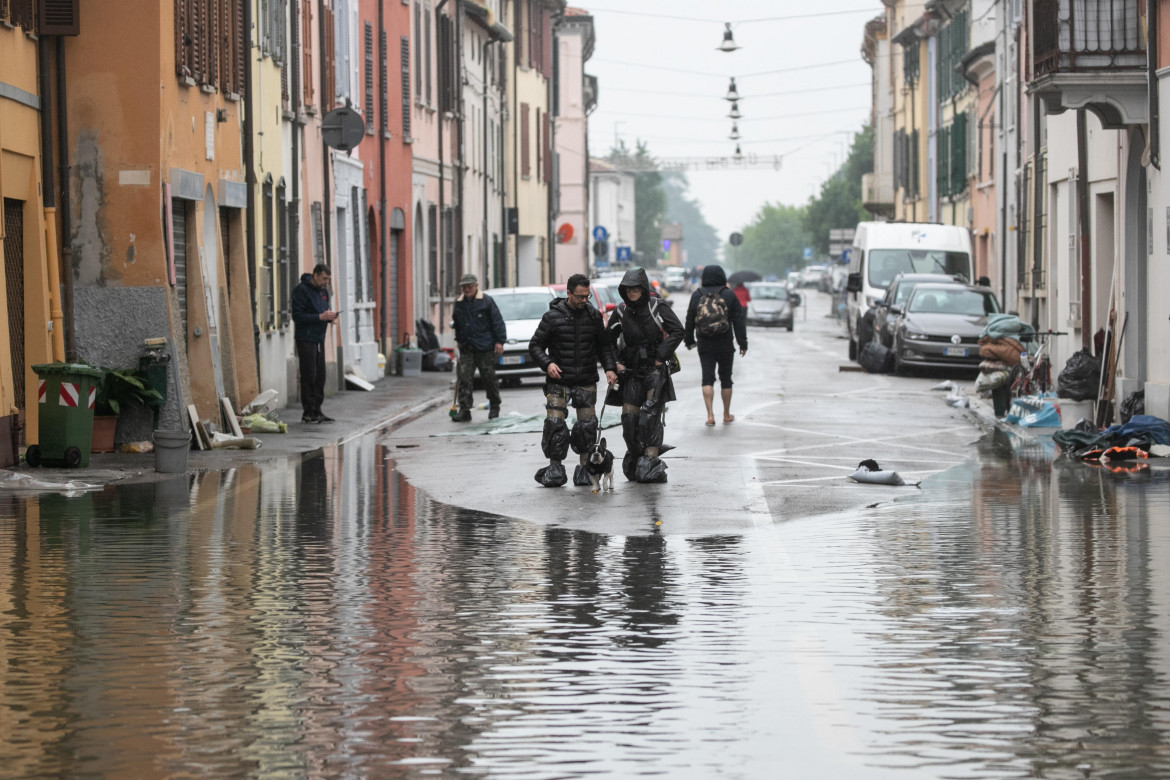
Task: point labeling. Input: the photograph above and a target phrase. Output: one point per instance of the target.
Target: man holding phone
(311, 317)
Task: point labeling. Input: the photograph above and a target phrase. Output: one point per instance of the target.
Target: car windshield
(885, 264)
(937, 300)
(768, 292)
(522, 306)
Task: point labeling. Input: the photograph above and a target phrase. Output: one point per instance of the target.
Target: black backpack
(711, 318)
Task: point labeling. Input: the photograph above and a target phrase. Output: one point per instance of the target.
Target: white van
(882, 250)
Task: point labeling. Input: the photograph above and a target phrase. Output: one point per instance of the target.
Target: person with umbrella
(715, 322)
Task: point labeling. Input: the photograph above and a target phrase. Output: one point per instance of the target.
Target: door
(353, 291)
(14, 273)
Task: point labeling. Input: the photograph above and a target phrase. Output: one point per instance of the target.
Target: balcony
(877, 194)
(1091, 54)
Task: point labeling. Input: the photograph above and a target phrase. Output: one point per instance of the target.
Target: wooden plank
(196, 427)
(229, 414)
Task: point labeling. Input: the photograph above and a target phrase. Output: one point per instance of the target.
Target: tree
(773, 242)
(700, 239)
(649, 202)
(839, 204)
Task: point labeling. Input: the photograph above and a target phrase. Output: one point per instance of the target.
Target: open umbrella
(739, 277)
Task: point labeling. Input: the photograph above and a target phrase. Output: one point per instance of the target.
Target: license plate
(515, 360)
(955, 352)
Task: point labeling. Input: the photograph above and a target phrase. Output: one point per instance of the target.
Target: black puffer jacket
(574, 339)
(642, 340)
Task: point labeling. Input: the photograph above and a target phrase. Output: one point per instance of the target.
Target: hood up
(306, 279)
(635, 277)
(714, 276)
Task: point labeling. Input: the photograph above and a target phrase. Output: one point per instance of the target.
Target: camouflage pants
(485, 361)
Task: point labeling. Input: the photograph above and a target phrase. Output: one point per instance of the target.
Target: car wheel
(852, 346)
(864, 331)
(790, 326)
(899, 369)
(32, 455)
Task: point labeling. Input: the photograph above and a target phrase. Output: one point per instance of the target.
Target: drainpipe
(327, 201)
(387, 288)
(442, 188)
(484, 155)
(297, 129)
(66, 206)
(1152, 83)
(460, 142)
(250, 183)
(553, 101)
(1083, 228)
(49, 201)
(1038, 195)
(515, 141)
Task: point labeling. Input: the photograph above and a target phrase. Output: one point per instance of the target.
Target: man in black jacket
(480, 333)
(568, 344)
(311, 317)
(715, 337)
(646, 334)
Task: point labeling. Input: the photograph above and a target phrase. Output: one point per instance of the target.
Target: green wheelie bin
(65, 396)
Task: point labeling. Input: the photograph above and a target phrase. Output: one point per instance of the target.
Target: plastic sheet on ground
(226, 441)
(258, 423)
(1034, 411)
(18, 482)
(515, 422)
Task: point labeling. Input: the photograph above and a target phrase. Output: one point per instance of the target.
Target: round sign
(600, 233)
(565, 233)
(342, 129)
(600, 248)
(736, 239)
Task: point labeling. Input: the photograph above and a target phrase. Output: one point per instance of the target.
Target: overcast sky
(677, 105)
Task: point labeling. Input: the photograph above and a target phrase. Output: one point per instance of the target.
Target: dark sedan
(887, 310)
(940, 326)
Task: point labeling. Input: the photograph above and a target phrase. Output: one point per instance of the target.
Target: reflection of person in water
(574, 591)
(313, 511)
(646, 583)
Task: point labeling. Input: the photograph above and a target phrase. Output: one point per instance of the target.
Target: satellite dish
(343, 129)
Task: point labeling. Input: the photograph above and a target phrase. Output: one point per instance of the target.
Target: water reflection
(321, 618)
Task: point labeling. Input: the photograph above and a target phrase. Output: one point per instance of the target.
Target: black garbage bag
(650, 470)
(876, 358)
(630, 465)
(552, 475)
(582, 435)
(1134, 403)
(581, 476)
(555, 440)
(1080, 377)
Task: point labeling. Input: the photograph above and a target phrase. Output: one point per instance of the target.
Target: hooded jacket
(308, 302)
(478, 323)
(642, 340)
(715, 281)
(574, 339)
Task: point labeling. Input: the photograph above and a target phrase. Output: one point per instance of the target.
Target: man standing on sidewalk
(480, 334)
(311, 318)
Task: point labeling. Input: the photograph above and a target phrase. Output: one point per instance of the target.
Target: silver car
(941, 325)
(772, 303)
(521, 308)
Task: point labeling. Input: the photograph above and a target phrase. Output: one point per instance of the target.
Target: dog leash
(600, 417)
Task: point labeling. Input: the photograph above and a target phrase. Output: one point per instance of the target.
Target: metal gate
(179, 222)
(14, 272)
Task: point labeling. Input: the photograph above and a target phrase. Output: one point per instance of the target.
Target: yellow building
(30, 270)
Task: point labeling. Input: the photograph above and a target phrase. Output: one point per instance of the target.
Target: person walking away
(480, 334)
(646, 333)
(715, 322)
(569, 342)
(743, 295)
(311, 317)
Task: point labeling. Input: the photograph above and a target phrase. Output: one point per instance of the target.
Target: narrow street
(411, 604)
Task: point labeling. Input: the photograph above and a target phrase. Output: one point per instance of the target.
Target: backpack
(711, 318)
(673, 364)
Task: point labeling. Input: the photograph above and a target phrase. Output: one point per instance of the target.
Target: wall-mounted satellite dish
(343, 128)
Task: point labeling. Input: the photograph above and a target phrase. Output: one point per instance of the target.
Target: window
(404, 47)
(369, 52)
(307, 49)
(525, 167)
(265, 292)
(427, 55)
(433, 248)
(383, 71)
(282, 258)
(418, 67)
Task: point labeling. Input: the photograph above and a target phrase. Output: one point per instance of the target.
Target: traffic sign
(342, 128)
(600, 233)
(808, 253)
(600, 248)
(565, 233)
(736, 239)
(624, 254)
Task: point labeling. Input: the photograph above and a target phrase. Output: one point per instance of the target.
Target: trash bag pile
(1120, 447)
(876, 358)
(1080, 377)
(1001, 348)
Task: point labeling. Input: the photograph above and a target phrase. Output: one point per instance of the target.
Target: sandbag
(876, 358)
(1080, 377)
(877, 477)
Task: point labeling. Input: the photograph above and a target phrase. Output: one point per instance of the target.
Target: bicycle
(1033, 376)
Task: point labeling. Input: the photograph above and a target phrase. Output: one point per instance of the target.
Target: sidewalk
(393, 402)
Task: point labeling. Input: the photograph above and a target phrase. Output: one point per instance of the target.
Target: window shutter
(307, 49)
(282, 254)
(212, 38)
(546, 42)
(59, 17)
(427, 54)
(369, 51)
(525, 168)
(383, 73)
(539, 146)
(315, 214)
(404, 46)
(181, 48)
(240, 49)
(531, 31)
(199, 40)
(418, 48)
(327, 63)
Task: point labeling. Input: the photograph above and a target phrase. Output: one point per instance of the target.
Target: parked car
(676, 279)
(940, 326)
(772, 303)
(521, 308)
(812, 275)
(890, 307)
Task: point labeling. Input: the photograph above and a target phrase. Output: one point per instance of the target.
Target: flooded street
(1008, 620)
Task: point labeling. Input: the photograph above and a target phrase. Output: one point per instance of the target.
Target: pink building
(575, 100)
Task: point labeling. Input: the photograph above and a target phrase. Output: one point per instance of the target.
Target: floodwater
(1009, 621)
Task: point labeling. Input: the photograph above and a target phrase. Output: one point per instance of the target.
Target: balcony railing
(1088, 35)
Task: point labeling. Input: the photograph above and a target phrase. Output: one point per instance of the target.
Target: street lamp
(732, 93)
(734, 131)
(728, 44)
(734, 112)
(738, 152)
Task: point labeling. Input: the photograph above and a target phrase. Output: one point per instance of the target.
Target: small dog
(599, 466)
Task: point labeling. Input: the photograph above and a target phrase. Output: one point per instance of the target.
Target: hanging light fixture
(738, 152)
(734, 131)
(728, 43)
(732, 93)
(734, 112)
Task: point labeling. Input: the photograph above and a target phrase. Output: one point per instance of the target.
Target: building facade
(576, 97)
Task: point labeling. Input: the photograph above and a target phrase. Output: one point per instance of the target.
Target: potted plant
(118, 388)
